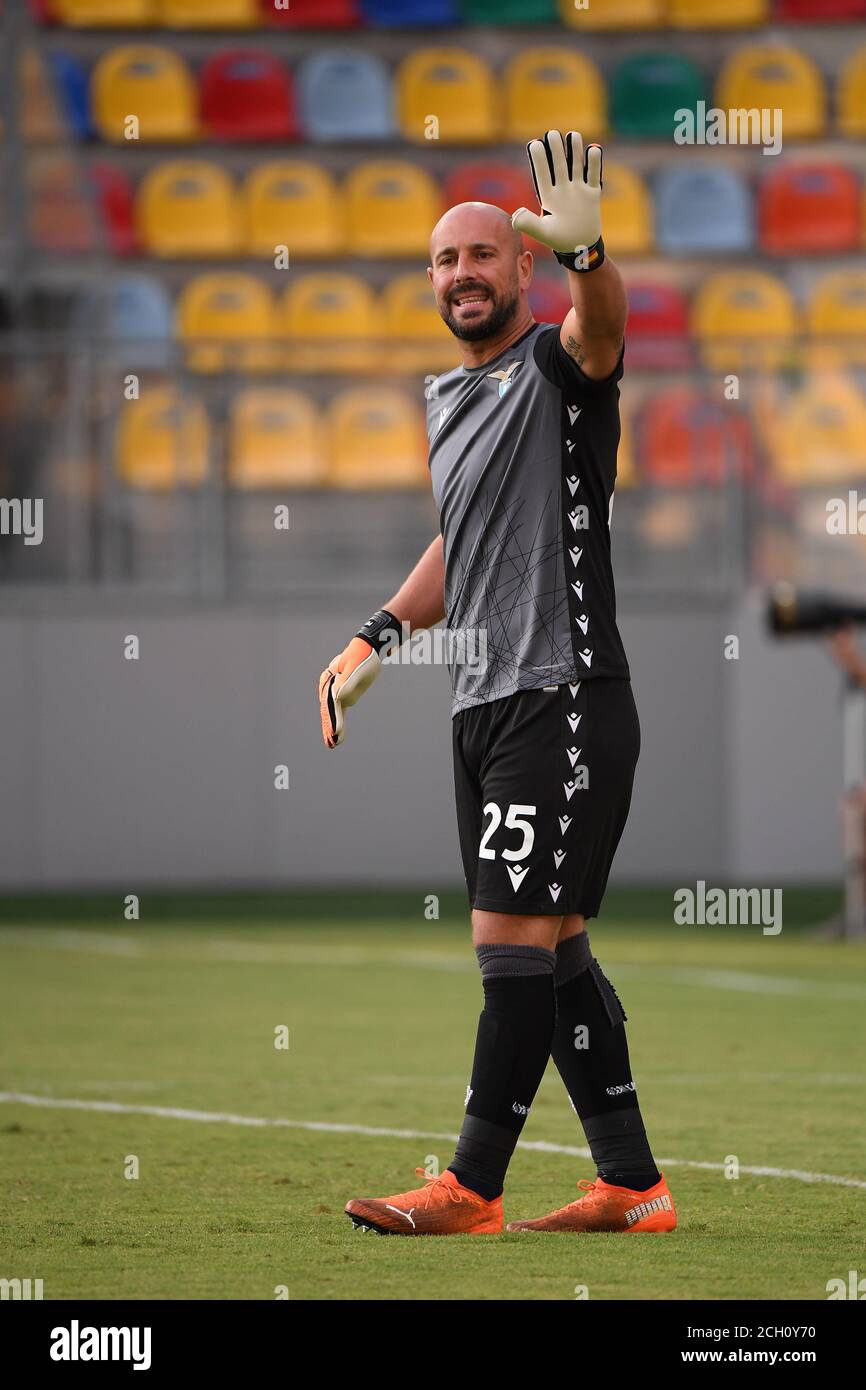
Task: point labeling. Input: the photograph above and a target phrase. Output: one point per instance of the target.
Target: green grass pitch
(741, 1045)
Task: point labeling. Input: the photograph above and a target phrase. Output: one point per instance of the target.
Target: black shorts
(543, 780)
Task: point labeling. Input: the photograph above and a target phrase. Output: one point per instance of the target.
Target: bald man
(523, 439)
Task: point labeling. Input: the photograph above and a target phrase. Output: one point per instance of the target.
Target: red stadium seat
(313, 14)
(688, 439)
(820, 10)
(658, 327)
(809, 208)
(247, 94)
(489, 182)
(116, 201)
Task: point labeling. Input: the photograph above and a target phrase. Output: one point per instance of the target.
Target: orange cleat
(442, 1208)
(609, 1208)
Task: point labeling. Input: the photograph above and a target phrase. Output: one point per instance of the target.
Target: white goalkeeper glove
(346, 678)
(568, 185)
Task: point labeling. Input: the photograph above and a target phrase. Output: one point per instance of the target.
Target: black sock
(591, 1055)
(511, 1053)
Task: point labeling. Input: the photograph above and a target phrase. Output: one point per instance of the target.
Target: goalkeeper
(545, 734)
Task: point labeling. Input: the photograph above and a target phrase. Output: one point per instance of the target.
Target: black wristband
(382, 631)
(590, 259)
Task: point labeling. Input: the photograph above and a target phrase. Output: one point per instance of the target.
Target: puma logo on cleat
(407, 1214)
(647, 1208)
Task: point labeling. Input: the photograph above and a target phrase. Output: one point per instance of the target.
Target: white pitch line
(166, 1112)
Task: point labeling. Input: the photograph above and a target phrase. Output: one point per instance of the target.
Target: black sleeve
(555, 363)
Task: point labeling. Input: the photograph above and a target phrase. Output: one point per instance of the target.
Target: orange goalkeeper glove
(346, 678)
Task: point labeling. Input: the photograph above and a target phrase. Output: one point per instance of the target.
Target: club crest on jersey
(505, 376)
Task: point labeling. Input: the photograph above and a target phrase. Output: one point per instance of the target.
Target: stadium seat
(313, 14)
(457, 87)
(209, 14)
(717, 14)
(488, 182)
(293, 203)
(391, 209)
(509, 11)
(421, 341)
(105, 14)
(809, 209)
(613, 14)
(836, 315)
(820, 10)
(131, 318)
(154, 85)
(628, 211)
(648, 88)
(702, 210)
(771, 76)
(549, 298)
(227, 321)
(248, 95)
(688, 439)
(60, 215)
(115, 195)
(821, 434)
(851, 95)
(331, 322)
(188, 208)
(71, 82)
(274, 440)
(377, 440)
(163, 440)
(403, 14)
(343, 95)
(658, 327)
(744, 318)
(553, 88)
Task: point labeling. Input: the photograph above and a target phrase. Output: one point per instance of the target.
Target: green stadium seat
(648, 88)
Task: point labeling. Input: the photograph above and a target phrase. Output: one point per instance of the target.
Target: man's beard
(501, 313)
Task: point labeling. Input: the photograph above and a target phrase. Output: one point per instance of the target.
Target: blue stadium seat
(135, 310)
(345, 95)
(70, 80)
(700, 210)
(388, 14)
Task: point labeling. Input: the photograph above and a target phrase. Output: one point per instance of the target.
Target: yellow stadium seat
(105, 14)
(628, 211)
(614, 14)
(554, 89)
(377, 440)
(851, 94)
(421, 341)
(717, 14)
(453, 88)
(775, 76)
(275, 440)
(150, 84)
(292, 203)
(209, 14)
(822, 432)
(744, 318)
(188, 208)
(836, 316)
(163, 440)
(227, 321)
(332, 323)
(391, 209)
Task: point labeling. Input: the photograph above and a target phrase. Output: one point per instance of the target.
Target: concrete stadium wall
(161, 771)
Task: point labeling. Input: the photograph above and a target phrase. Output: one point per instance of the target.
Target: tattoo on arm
(575, 350)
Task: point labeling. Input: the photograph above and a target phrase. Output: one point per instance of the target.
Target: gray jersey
(523, 464)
